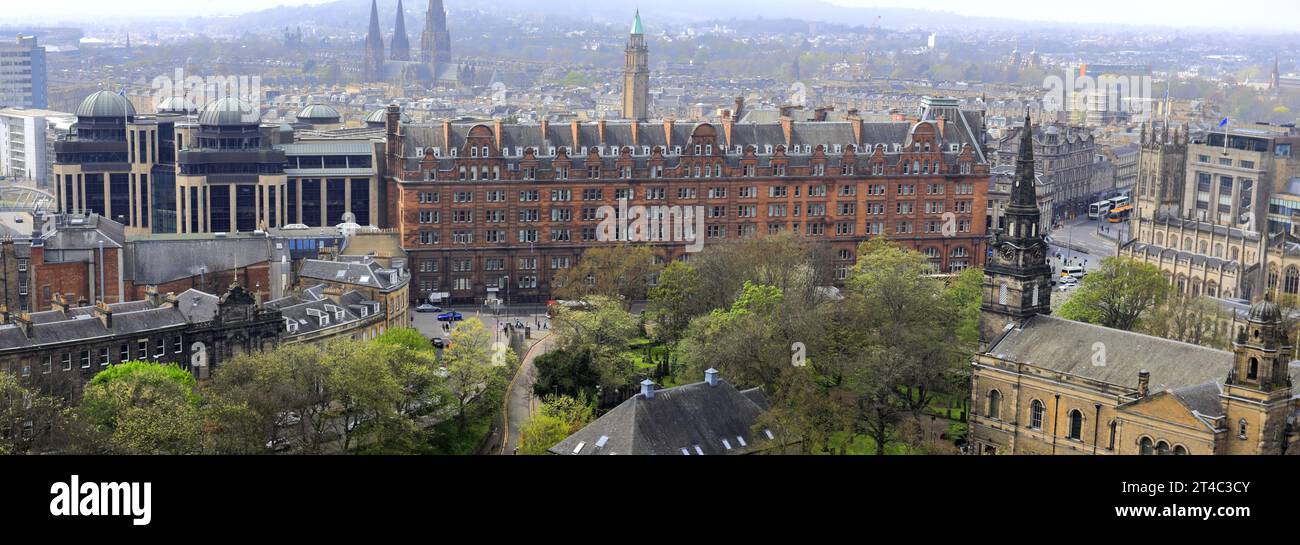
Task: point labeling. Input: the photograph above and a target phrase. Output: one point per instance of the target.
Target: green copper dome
(636, 23)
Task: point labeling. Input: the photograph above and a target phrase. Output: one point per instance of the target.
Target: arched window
(1036, 415)
(1112, 426)
(1162, 448)
(1179, 450)
(1144, 446)
(1241, 429)
(995, 404)
(1292, 280)
(1272, 277)
(1203, 247)
(1160, 239)
(1253, 372)
(1076, 425)
(1218, 249)
(1187, 243)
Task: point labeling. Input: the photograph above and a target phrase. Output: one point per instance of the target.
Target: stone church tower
(1162, 173)
(1017, 277)
(636, 73)
(435, 41)
(1256, 397)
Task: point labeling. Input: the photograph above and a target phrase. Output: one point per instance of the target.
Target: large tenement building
(483, 204)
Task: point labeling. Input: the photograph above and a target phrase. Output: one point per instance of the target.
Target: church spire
(401, 45)
(1023, 193)
(1017, 277)
(374, 61)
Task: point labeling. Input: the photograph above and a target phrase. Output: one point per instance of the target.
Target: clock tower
(1017, 277)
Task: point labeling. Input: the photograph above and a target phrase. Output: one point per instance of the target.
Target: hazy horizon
(1248, 15)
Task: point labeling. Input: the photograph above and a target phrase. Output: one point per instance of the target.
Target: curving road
(520, 400)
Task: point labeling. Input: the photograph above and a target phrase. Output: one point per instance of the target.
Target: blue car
(450, 316)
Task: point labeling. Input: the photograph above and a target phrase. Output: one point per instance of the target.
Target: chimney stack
(648, 388)
(497, 129)
(1144, 383)
(711, 376)
(24, 321)
(4, 314)
(151, 294)
(105, 314)
(334, 293)
(59, 303)
(740, 105)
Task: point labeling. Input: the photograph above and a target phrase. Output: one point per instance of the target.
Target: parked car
(426, 307)
(287, 418)
(450, 316)
(278, 444)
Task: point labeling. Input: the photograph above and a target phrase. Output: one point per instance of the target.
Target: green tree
(35, 422)
(623, 272)
(363, 386)
(272, 386)
(541, 432)
(1118, 294)
(674, 301)
(141, 407)
(474, 366)
(601, 333)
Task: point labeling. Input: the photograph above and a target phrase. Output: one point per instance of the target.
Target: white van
(1073, 270)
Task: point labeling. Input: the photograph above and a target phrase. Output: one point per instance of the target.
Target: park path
(520, 400)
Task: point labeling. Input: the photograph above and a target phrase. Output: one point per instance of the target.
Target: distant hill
(356, 13)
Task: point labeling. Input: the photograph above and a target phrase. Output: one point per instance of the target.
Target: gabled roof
(699, 418)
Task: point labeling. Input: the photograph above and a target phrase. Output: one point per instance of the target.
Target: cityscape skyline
(1197, 15)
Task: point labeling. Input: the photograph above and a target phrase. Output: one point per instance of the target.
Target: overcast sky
(1227, 14)
(1252, 14)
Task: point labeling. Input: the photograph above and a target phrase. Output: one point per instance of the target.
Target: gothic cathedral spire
(435, 41)
(374, 61)
(636, 73)
(1017, 277)
(400, 48)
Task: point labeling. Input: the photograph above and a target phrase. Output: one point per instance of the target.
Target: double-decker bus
(1099, 209)
(1119, 214)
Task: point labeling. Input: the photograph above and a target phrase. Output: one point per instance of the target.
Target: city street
(1078, 242)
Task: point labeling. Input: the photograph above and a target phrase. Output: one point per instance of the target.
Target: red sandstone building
(494, 207)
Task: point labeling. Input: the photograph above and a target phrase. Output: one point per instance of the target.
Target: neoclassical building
(1046, 385)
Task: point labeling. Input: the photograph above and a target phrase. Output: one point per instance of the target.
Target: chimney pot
(711, 376)
(648, 388)
(1144, 383)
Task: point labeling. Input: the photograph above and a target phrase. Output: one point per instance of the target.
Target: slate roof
(296, 308)
(160, 260)
(1067, 346)
(685, 417)
(358, 271)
